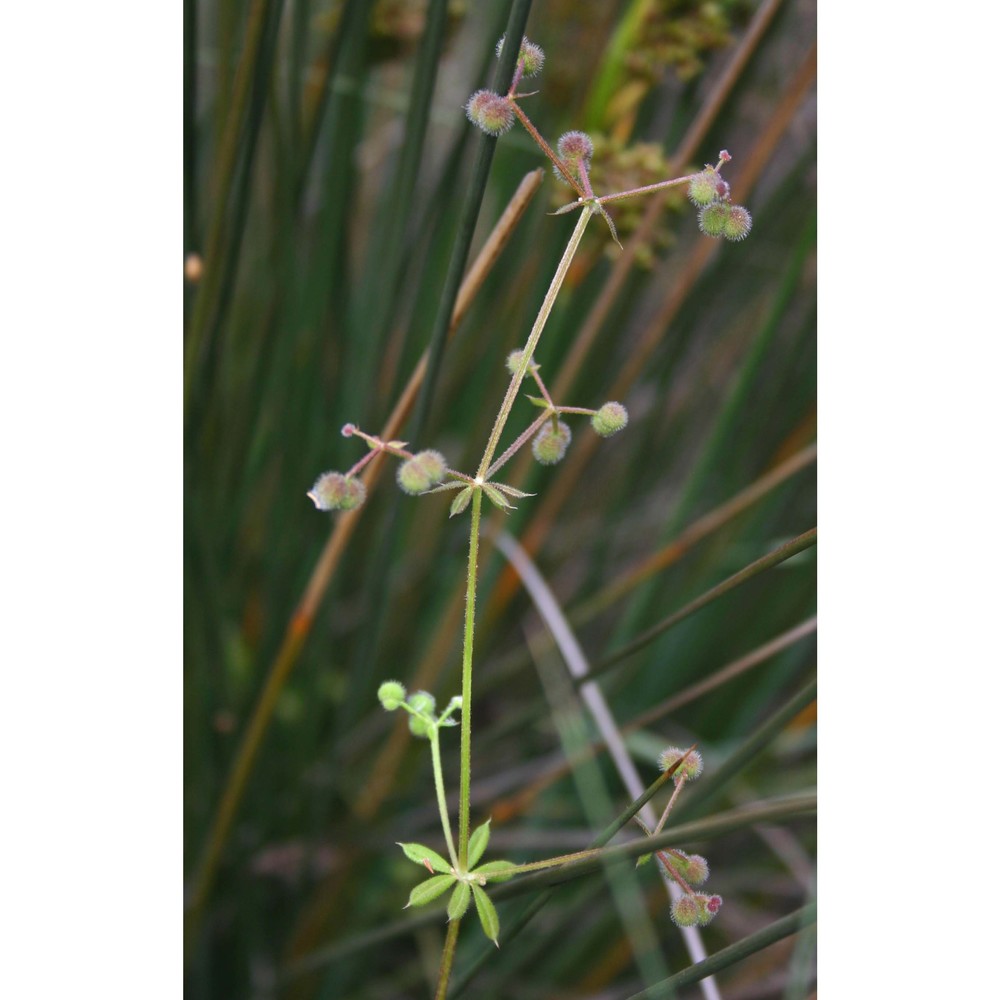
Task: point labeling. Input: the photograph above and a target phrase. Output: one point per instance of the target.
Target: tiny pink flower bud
(712, 218)
(490, 112)
(724, 155)
(335, 491)
(684, 911)
(348, 430)
(691, 767)
(531, 57)
(391, 694)
(738, 223)
(550, 442)
(707, 906)
(609, 419)
(421, 472)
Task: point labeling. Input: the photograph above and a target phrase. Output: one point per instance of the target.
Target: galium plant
(549, 435)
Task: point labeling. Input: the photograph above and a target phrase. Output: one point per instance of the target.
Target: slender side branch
(442, 801)
(533, 338)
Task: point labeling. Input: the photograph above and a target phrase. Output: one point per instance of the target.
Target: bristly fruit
(335, 491)
(738, 224)
(514, 361)
(702, 190)
(391, 694)
(550, 443)
(713, 217)
(575, 149)
(531, 57)
(684, 911)
(420, 473)
(609, 419)
(721, 218)
(490, 112)
(693, 868)
(691, 767)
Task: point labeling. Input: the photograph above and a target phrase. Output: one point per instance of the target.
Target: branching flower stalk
(427, 472)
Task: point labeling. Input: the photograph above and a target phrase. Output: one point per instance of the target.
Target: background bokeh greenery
(327, 162)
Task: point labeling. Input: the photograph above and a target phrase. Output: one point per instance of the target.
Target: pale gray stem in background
(551, 613)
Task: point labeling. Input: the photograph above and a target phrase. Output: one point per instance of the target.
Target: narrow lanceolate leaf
(454, 484)
(421, 855)
(511, 491)
(487, 915)
(572, 206)
(611, 225)
(496, 871)
(429, 889)
(459, 901)
(542, 404)
(461, 501)
(477, 843)
(496, 497)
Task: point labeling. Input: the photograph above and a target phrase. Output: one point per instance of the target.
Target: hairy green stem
(447, 959)
(465, 778)
(646, 189)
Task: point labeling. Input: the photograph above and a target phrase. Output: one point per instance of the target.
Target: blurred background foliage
(327, 161)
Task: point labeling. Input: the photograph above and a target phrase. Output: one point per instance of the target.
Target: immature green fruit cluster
(531, 57)
(391, 694)
(718, 215)
(722, 218)
(423, 702)
(689, 770)
(706, 187)
(551, 442)
(693, 868)
(575, 150)
(335, 491)
(490, 112)
(420, 473)
(698, 908)
(609, 419)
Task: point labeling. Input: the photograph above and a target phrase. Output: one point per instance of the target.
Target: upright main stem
(465, 778)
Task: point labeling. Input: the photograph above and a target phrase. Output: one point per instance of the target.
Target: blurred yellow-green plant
(354, 251)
